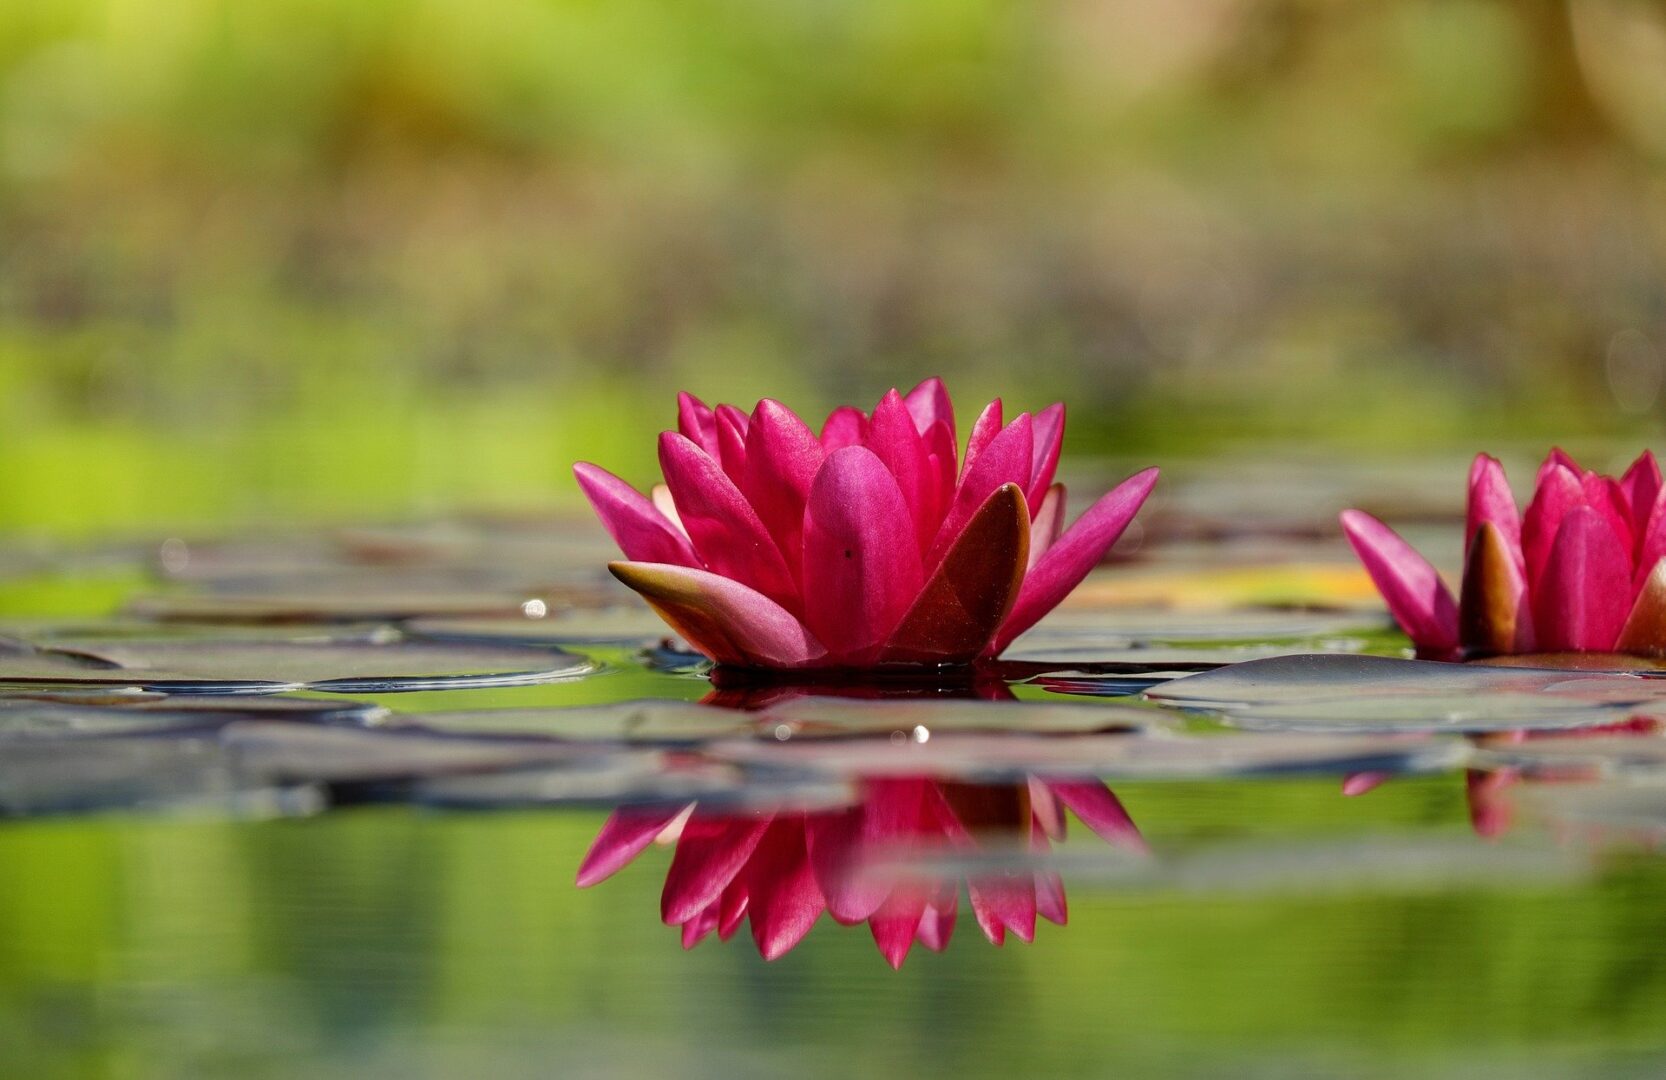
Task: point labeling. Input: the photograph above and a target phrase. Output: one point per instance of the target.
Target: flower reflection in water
(781, 871)
(869, 862)
(1487, 791)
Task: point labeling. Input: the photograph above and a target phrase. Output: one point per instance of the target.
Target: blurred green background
(323, 259)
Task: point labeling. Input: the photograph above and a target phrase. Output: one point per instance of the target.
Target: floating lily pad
(1321, 676)
(1111, 757)
(650, 721)
(307, 604)
(1630, 809)
(312, 753)
(263, 666)
(1468, 713)
(638, 781)
(635, 626)
(147, 714)
(1123, 628)
(45, 776)
(920, 718)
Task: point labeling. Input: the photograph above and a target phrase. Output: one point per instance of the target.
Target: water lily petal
(1049, 440)
(1360, 782)
(1101, 811)
(1490, 500)
(1644, 633)
(942, 468)
(1493, 614)
(1642, 486)
(623, 837)
(665, 504)
(731, 441)
(725, 530)
(845, 426)
(731, 908)
(1048, 523)
(783, 901)
(697, 423)
(929, 403)
(782, 456)
(1581, 601)
(861, 563)
(1558, 492)
(1077, 551)
(1419, 601)
(984, 429)
(937, 921)
(1557, 459)
(711, 851)
(1046, 809)
(642, 532)
(722, 618)
(1490, 811)
(897, 921)
(972, 590)
(1005, 460)
(1604, 495)
(894, 440)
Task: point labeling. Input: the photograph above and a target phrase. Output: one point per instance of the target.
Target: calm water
(374, 905)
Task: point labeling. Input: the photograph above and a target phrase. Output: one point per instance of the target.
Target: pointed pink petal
(1048, 813)
(1651, 544)
(731, 908)
(1074, 554)
(722, 618)
(1490, 500)
(860, 558)
(1006, 460)
(1049, 887)
(984, 429)
(1581, 600)
(697, 928)
(942, 470)
(1558, 458)
(731, 442)
(897, 921)
(1101, 811)
(1641, 485)
(835, 847)
(642, 532)
(1360, 782)
(893, 439)
(1419, 601)
(783, 900)
(721, 524)
(929, 403)
(1559, 491)
(711, 851)
(845, 426)
(782, 456)
(937, 921)
(973, 589)
(1006, 900)
(1049, 440)
(1048, 523)
(697, 423)
(624, 835)
(1604, 495)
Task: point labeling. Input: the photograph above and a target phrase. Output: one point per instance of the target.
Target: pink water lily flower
(873, 543)
(1580, 571)
(781, 871)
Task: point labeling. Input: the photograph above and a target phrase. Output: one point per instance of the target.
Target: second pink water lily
(1582, 570)
(871, 543)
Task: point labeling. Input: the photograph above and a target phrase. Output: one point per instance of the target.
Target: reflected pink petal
(1101, 811)
(711, 851)
(626, 833)
(783, 901)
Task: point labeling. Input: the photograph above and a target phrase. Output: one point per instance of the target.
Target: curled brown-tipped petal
(974, 587)
(1492, 607)
(722, 618)
(1644, 633)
